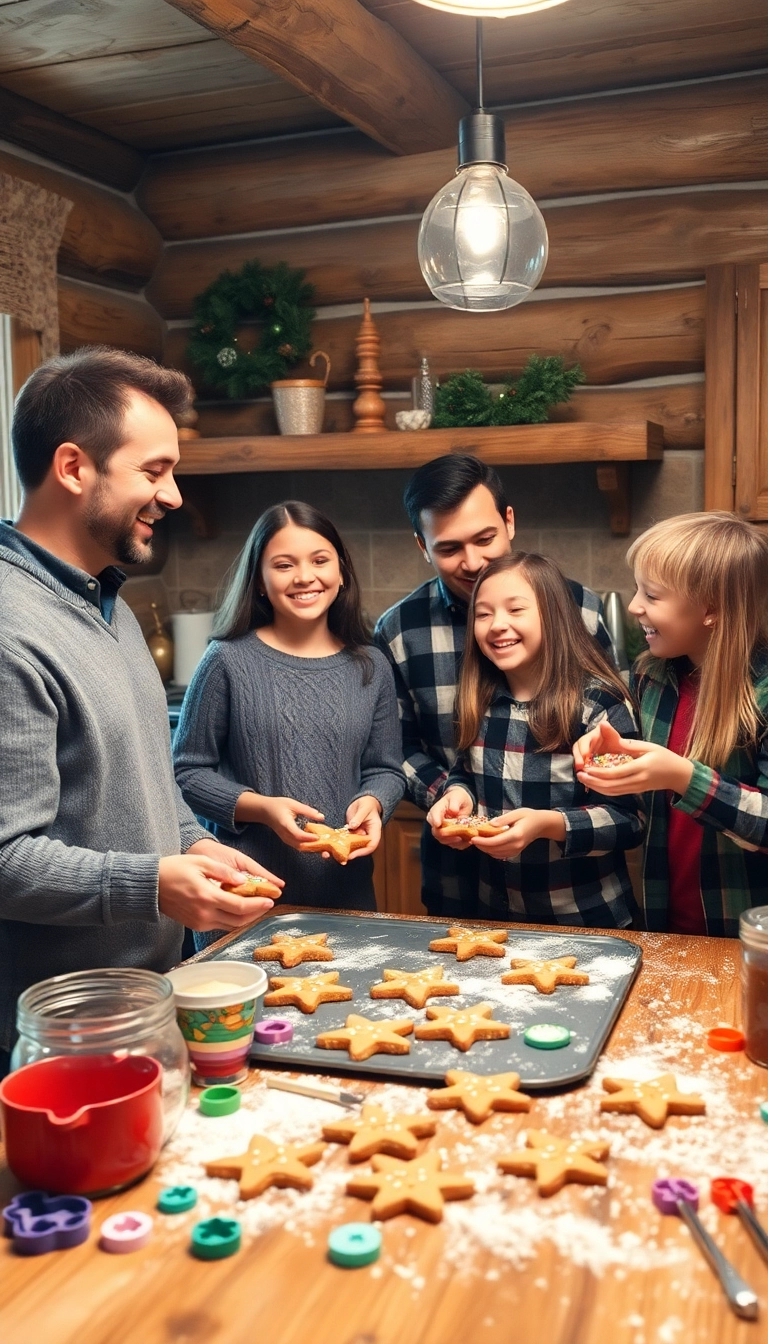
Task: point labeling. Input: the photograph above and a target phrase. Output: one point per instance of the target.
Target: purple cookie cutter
(273, 1030)
(39, 1223)
(667, 1193)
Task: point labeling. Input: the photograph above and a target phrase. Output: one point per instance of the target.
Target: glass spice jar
(118, 1011)
(753, 932)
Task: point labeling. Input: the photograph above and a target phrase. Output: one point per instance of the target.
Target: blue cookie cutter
(39, 1223)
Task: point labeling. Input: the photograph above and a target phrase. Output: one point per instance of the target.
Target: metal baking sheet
(364, 947)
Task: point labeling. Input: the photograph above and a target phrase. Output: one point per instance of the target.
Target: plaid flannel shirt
(732, 808)
(584, 879)
(423, 637)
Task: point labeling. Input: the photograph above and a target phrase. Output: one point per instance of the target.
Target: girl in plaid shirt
(532, 682)
(702, 586)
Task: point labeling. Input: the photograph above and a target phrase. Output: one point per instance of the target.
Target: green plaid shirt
(732, 808)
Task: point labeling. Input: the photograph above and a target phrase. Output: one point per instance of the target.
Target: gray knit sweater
(88, 801)
(303, 728)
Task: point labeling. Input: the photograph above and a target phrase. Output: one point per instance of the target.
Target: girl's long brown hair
(569, 657)
(245, 608)
(718, 561)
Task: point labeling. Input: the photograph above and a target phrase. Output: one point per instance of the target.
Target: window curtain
(31, 224)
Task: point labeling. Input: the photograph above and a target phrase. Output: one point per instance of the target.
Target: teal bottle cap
(546, 1036)
(219, 1101)
(216, 1238)
(764, 1110)
(177, 1199)
(354, 1244)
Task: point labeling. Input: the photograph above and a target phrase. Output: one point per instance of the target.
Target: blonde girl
(533, 681)
(702, 685)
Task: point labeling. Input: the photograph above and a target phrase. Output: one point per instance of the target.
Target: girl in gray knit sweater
(292, 713)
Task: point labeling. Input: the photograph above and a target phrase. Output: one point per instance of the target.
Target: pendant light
(501, 9)
(482, 240)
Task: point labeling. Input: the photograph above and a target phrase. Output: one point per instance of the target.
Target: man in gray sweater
(101, 861)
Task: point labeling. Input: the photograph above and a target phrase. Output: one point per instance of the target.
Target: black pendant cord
(481, 133)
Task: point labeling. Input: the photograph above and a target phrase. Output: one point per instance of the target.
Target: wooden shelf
(583, 441)
(612, 446)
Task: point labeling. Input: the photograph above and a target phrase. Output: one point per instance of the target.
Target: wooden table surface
(588, 1266)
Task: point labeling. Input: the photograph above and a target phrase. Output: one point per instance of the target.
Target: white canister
(191, 632)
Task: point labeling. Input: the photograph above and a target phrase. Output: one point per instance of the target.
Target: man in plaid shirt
(459, 513)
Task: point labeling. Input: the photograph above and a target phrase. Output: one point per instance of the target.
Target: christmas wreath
(276, 297)
(464, 401)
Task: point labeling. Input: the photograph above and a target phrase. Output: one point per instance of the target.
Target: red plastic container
(83, 1124)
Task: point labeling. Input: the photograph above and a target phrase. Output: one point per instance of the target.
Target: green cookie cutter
(216, 1238)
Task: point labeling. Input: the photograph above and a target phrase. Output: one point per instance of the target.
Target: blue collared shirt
(101, 590)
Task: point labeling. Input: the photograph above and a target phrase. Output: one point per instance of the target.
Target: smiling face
(122, 503)
(673, 626)
(508, 629)
(461, 543)
(300, 574)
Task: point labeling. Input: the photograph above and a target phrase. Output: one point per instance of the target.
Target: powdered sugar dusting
(506, 1226)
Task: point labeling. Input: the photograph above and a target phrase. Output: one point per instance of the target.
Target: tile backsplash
(558, 509)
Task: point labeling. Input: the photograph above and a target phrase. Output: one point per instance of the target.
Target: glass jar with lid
(119, 1011)
(753, 932)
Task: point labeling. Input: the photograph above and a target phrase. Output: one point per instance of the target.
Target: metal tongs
(675, 1195)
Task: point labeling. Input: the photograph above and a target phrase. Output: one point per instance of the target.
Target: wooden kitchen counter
(597, 1266)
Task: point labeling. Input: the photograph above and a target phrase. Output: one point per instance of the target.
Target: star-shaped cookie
(413, 986)
(291, 948)
(545, 975)
(477, 1095)
(653, 1100)
(467, 943)
(365, 1036)
(462, 1026)
(338, 843)
(418, 1187)
(267, 1163)
(470, 827)
(555, 1162)
(253, 886)
(378, 1132)
(305, 991)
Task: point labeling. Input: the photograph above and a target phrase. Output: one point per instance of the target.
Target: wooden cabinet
(397, 866)
(736, 460)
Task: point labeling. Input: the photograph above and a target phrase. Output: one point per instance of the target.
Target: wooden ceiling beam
(348, 60)
(68, 142)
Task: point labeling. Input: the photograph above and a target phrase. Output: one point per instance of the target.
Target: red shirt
(686, 911)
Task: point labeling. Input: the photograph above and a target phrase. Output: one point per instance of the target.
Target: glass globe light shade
(491, 9)
(482, 241)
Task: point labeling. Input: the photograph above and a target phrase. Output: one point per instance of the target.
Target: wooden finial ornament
(369, 407)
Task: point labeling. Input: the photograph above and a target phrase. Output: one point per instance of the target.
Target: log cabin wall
(641, 191)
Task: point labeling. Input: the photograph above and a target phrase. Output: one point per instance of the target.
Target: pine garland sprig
(462, 400)
(543, 383)
(276, 297)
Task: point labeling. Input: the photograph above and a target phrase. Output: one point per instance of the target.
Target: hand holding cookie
(519, 829)
(455, 805)
(280, 814)
(602, 740)
(364, 819)
(644, 766)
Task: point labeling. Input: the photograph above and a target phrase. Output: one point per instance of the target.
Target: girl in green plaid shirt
(702, 588)
(533, 680)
